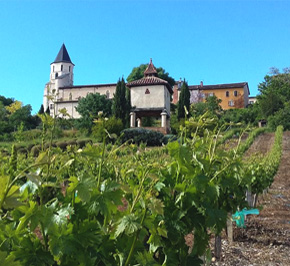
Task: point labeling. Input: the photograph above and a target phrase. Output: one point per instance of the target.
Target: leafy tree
(249, 115)
(41, 110)
(6, 101)
(22, 115)
(184, 100)
(89, 108)
(138, 73)
(121, 102)
(13, 107)
(275, 92)
(281, 117)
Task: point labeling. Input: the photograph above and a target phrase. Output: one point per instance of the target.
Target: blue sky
(214, 41)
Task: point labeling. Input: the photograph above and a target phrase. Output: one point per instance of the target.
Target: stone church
(150, 95)
(60, 91)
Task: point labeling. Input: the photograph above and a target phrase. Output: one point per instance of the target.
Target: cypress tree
(41, 110)
(184, 100)
(120, 102)
(117, 110)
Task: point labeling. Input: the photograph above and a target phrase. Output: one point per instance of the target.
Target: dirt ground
(266, 238)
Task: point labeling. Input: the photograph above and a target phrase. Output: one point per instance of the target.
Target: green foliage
(121, 103)
(107, 128)
(89, 108)
(253, 134)
(250, 115)
(138, 135)
(262, 169)
(281, 117)
(184, 101)
(119, 205)
(275, 92)
(138, 73)
(9, 121)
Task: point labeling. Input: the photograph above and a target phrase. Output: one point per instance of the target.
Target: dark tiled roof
(150, 80)
(150, 70)
(90, 86)
(62, 56)
(220, 86)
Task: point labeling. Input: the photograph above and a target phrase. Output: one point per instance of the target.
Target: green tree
(121, 102)
(138, 73)
(6, 101)
(89, 108)
(41, 110)
(184, 100)
(275, 92)
(22, 115)
(213, 104)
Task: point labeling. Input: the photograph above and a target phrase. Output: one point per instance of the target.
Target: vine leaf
(128, 224)
(8, 260)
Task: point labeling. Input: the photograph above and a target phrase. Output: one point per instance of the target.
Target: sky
(214, 41)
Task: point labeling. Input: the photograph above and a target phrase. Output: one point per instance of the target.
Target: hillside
(266, 239)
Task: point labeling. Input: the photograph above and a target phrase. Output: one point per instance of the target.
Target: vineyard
(125, 204)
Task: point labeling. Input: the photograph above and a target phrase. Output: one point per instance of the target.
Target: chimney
(201, 84)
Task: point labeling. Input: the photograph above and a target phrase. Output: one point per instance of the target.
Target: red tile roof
(219, 86)
(150, 80)
(150, 70)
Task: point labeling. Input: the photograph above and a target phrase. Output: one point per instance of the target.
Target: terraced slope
(266, 240)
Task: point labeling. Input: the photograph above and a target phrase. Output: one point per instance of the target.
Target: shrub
(169, 138)
(113, 125)
(138, 135)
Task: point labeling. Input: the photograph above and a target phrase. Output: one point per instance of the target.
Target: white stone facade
(60, 92)
(153, 96)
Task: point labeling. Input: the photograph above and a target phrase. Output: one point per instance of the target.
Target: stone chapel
(150, 95)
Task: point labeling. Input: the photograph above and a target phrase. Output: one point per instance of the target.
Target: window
(231, 103)
(211, 94)
(69, 69)
(227, 94)
(51, 106)
(56, 75)
(53, 69)
(61, 68)
(147, 91)
(235, 93)
(107, 94)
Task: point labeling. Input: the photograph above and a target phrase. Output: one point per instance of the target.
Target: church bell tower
(61, 75)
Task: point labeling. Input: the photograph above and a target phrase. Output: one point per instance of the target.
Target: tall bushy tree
(119, 101)
(90, 106)
(275, 92)
(122, 102)
(184, 100)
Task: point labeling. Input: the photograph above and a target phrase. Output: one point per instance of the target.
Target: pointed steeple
(150, 70)
(62, 56)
